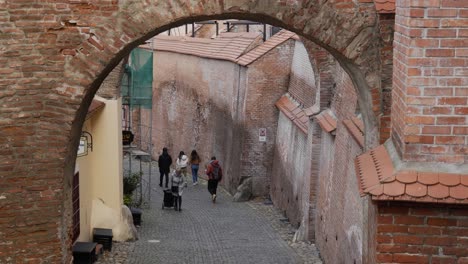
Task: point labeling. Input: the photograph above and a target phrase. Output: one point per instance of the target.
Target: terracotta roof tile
(356, 129)
(438, 191)
(366, 169)
(268, 45)
(327, 121)
(449, 179)
(395, 188)
(405, 185)
(294, 112)
(407, 176)
(416, 189)
(228, 46)
(464, 180)
(385, 6)
(428, 178)
(459, 192)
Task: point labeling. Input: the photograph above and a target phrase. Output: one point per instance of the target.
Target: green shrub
(130, 183)
(127, 199)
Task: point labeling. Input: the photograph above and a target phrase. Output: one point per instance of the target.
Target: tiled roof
(385, 6)
(227, 46)
(378, 178)
(355, 127)
(327, 121)
(94, 107)
(270, 44)
(293, 111)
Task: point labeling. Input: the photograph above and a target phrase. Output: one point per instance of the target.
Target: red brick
(410, 258)
(443, 260)
(449, 120)
(408, 239)
(461, 110)
(440, 52)
(433, 221)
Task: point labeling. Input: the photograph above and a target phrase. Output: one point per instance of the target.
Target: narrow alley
(203, 232)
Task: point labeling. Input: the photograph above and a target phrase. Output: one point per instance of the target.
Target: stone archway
(54, 64)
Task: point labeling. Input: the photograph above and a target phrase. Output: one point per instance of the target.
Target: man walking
(215, 174)
(164, 163)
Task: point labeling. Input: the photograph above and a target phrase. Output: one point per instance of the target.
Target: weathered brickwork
(386, 26)
(422, 233)
(267, 80)
(340, 213)
(55, 54)
(289, 180)
(296, 155)
(198, 108)
(429, 113)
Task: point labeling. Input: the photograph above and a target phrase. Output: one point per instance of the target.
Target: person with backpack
(194, 164)
(215, 174)
(182, 163)
(178, 184)
(164, 163)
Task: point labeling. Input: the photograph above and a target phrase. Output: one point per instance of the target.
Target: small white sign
(262, 134)
(83, 147)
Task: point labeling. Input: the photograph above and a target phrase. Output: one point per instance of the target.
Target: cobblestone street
(203, 232)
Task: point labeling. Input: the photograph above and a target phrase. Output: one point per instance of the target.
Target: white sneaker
(214, 198)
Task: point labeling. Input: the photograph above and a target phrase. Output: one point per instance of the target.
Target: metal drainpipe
(193, 30)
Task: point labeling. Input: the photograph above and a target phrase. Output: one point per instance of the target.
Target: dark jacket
(164, 162)
(209, 170)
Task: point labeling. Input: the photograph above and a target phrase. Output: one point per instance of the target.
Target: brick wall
(289, 180)
(198, 108)
(302, 84)
(267, 80)
(54, 56)
(293, 183)
(324, 63)
(340, 220)
(422, 233)
(429, 113)
(387, 28)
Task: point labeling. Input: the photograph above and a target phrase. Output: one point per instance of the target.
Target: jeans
(195, 172)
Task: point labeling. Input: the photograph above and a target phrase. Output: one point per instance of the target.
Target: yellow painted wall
(101, 170)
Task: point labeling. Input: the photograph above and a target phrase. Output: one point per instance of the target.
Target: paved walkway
(203, 232)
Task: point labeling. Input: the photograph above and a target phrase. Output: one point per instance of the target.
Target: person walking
(182, 163)
(194, 164)
(164, 163)
(215, 174)
(178, 184)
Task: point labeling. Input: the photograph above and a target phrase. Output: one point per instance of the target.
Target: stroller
(168, 200)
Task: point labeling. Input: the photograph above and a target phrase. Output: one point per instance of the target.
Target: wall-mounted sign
(262, 134)
(127, 137)
(86, 142)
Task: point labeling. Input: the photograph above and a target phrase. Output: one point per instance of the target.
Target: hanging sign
(262, 134)
(127, 137)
